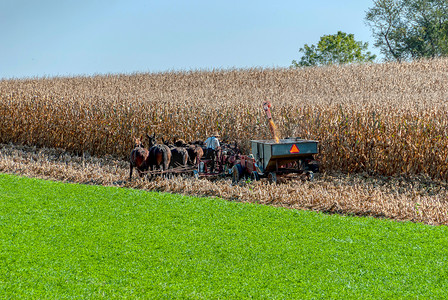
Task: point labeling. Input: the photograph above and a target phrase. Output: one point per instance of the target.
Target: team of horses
(162, 156)
(159, 157)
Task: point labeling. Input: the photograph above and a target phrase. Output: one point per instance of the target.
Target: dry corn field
(379, 120)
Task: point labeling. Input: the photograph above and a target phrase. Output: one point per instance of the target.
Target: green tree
(409, 29)
(340, 48)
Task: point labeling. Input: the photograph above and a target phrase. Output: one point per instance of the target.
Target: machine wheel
(272, 176)
(237, 171)
(314, 168)
(254, 176)
(310, 175)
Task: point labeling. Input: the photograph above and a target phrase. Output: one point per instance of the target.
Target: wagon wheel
(310, 175)
(237, 171)
(272, 176)
(254, 176)
(314, 168)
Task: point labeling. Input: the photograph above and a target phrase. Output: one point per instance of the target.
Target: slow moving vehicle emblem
(294, 149)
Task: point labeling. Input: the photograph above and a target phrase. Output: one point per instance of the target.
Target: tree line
(403, 30)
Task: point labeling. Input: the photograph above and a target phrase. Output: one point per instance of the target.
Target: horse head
(152, 140)
(138, 142)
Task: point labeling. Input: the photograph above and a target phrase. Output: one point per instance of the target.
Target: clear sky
(81, 37)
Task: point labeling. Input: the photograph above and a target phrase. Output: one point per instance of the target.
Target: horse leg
(130, 172)
(169, 174)
(162, 169)
(162, 174)
(148, 173)
(152, 167)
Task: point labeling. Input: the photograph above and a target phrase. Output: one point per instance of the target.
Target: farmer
(213, 148)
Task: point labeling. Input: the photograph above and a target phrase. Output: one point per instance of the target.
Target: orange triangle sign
(294, 149)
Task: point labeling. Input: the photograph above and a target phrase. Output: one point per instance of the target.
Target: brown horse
(138, 158)
(195, 154)
(159, 155)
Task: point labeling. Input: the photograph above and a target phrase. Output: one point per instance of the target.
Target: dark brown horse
(194, 150)
(159, 155)
(138, 158)
(179, 155)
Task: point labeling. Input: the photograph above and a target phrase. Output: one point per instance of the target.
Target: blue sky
(69, 38)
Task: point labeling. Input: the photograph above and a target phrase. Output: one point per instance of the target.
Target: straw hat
(216, 134)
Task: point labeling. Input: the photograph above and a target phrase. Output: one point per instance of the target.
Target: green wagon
(290, 155)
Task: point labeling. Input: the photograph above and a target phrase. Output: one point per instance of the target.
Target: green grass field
(76, 241)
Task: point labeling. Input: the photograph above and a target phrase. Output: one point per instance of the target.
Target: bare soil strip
(417, 199)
